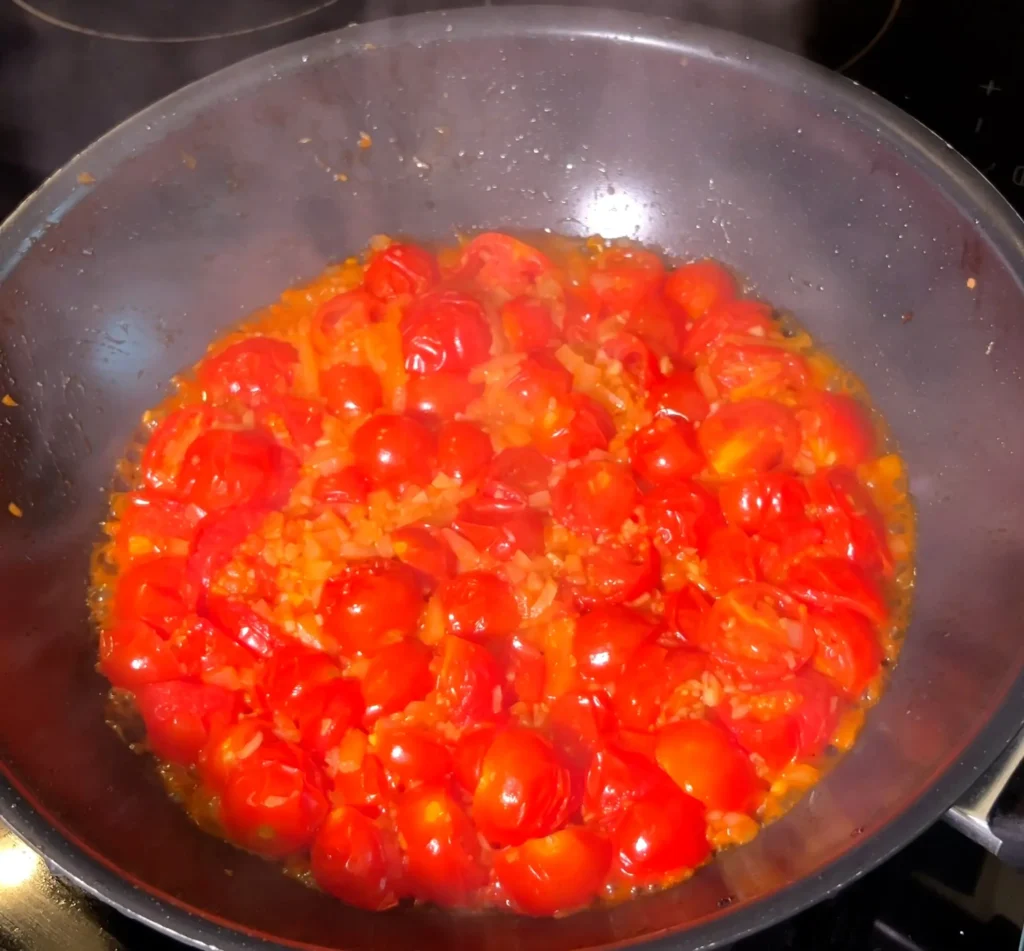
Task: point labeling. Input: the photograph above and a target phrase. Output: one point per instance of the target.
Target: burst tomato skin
(528, 324)
(833, 584)
(350, 390)
(835, 429)
(852, 525)
(682, 515)
(157, 592)
(725, 321)
(469, 682)
(493, 260)
(742, 370)
(754, 435)
(463, 450)
(624, 277)
(180, 715)
(649, 678)
(444, 331)
(849, 652)
(575, 426)
(595, 497)
(356, 860)
(660, 834)
(132, 654)
(392, 451)
(500, 529)
(606, 638)
(348, 486)
(411, 755)
(396, 676)
(400, 270)
(699, 286)
(764, 503)
(666, 451)
(678, 396)
(615, 573)
(468, 755)
(250, 370)
(478, 605)
(430, 557)
(341, 314)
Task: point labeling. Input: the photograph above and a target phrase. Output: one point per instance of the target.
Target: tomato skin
(575, 426)
(169, 443)
(132, 654)
(364, 789)
(356, 860)
(682, 515)
(616, 573)
(578, 720)
(764, 503)
(624, 277)
(250, 371)
(463, 450)
(665, 451)
(849, 652)
(400, 270)
(606, 638)
(341, 314)
(180, 715)
(775, 740)
(412, 755)
(660, 834)
(495, 260)
(150, 526)
(469, 682)
(468, 755)
(528, 324)
(637, 359)
(594, 497)
(853, 526)
(500, 533)
(351, 390)
(444, 331)
(685, 611)
(208, 653)
(441, 847)
(617, 778)
(228, 745)
(440, 395)
(478, 604)
(753, 435)
(741, 370)
(519, 470)
(244, 625)
(541, 378)
(523, 790)
(396, 676)
(348, 486)
(678, 396)
(706, 762)
(392, 451)
(157, 592)
(365, 607)
(303, 419)
(557, 873)
(731, 320)
(699, 286)
(835, 429)
(836, 584)
(217, 538)
(649, 678)
(581, 318)
(731, 560)
(426, 554)
(291, 674)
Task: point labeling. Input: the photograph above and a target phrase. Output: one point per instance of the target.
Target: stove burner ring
(61, 23)
(882, 30)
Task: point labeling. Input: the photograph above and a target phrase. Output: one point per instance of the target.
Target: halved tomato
(750, 436)
(594, 497)
(836, 429)
(497, 261)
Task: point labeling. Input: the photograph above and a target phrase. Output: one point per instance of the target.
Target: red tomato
(577, 721)
(217, 539)
(180, 715)
(521, 470)
(557, 873)
(207, 653)
(469, 682)
(400, 270)
(498, 261)
(678, 396)
(624, 277)
(728, 321)
(575, 426)
(228, 745)
(327, 713)
(648, 680)
(251, 371)
(660, 834)
(742, 370)
(430, 557)
(836, 429)
(132, 653)
(758, 630)
(540, 379)
(616, 572)
(348, 486)
(478, 604)
(395, 677)
(700, 286)
(606, 638)
(151, 526)
(365, 788)
(341, 314)
(468, 755)
(357, 860)
(582, 319)
(594, 497)
(665, 451)
(157, 592)
(303, 419)
(837, 584)
(617, 778)
(776, 740)
(444, 331)
(637, 359)
(165, 450)
(527, 669)
(682, 515)
(441, 847)
(704, 760)
(500, 533)
(226, 468)
(463, 450)
(731, 559)
(849, 652)
(351, 390)
(441, 395)
(658, 323)
(853, 526)
(290, 676)
(367, 606)
(245, 625)
(412, 755)
(749, 436)
(273, 801)
(764, 503)
(684, 613)
(523, 790)
(528, 324)
(392, 451)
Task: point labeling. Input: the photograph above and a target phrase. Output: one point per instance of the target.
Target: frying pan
(875, 234)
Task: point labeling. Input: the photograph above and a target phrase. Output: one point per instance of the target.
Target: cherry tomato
(665, 451)
(528, 324)
(412, 755)
(496, 260)
(157, 592)
(400, 270)
(441, 847)
(228, 745)
(523, 790)
(244, 625)
(764, 503)
(852, 524)
(180, 715)
(750, 436)
(624, 277)
(150, 526)
(444, 331)
(835, 583)
(731, 559)
(660, 834)
(396, 676)
(758, 630)
(728, 321)
(302, 419)
(351, 390)
(573, 427)
(679, 396)
(441, 395)
(582, 318)
(469, 682)
(684, 613)
(556, 873)
(290, 676)
(649, 678)
(659, 323)
(682, 515)
(209, 654)
(341, 314)
(356, 860)
(132, 653)
(700, 286)
(606, 638)
(616, 572)
(463, 450)
(521, 470)
(704, 760)
(594, 497)
(637, 359)
(368, 606)
(836, 429)
(617, 778)
(347, 486)
(250, 371)
(577, 722)
(217, 539)
(226, 468)
(540, 379)
(468, 756)
(427, 555)
(500, 532)
(165, 450)
(528, 670)
(775, 740)
(326, 713)
(478, 604)
(392, 451)
(848, 653)
(364, 788)
(743, 370)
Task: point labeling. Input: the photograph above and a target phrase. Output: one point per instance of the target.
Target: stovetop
(72, 69)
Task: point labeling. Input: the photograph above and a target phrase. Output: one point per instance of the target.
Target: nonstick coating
(842, 209)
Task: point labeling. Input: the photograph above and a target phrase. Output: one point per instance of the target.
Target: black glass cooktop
(72, 69)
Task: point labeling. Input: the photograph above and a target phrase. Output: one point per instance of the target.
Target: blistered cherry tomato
(684, 613)
(180, 715)
(364, 788)
(666, 451)
(444, 331)
(853, 526)
(150, 526)
(302, 419)
(207, 653)
(157, 592)
(728, 321)
(426, 554)
(578, 720)
(594, 497)
(250, 371)
(519, 469)
(649, 678)
(660, 834)
(776, 740)
(700, 286)
(764, 503)
(356, 859)
(835, 583)
(412, 755)
(341, 314)
(573, 427)
(540, 379)
(351, 390)
(743, 370)
(637, 359)
(165, 450)
(463, 450)
(617, 778)
(228, 745)
(441, 395)
(849, 652)
(469, 682)
(682, 515)
(292, 673)
(244, 624)
(217, 539)
(582, 315)
(478, 604)
(528, 324)
(468, 755)
(730, 559)
(836, 429)
(396, 676)
(606, 638)
(400, 270)
(678, 395)
(750, 436)
(624, 277)
(618, 572)
(500, 532)
(392, 451)
(496, 260)
(660, 324)
(347, 486)
(326, 713)
(132, 653)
